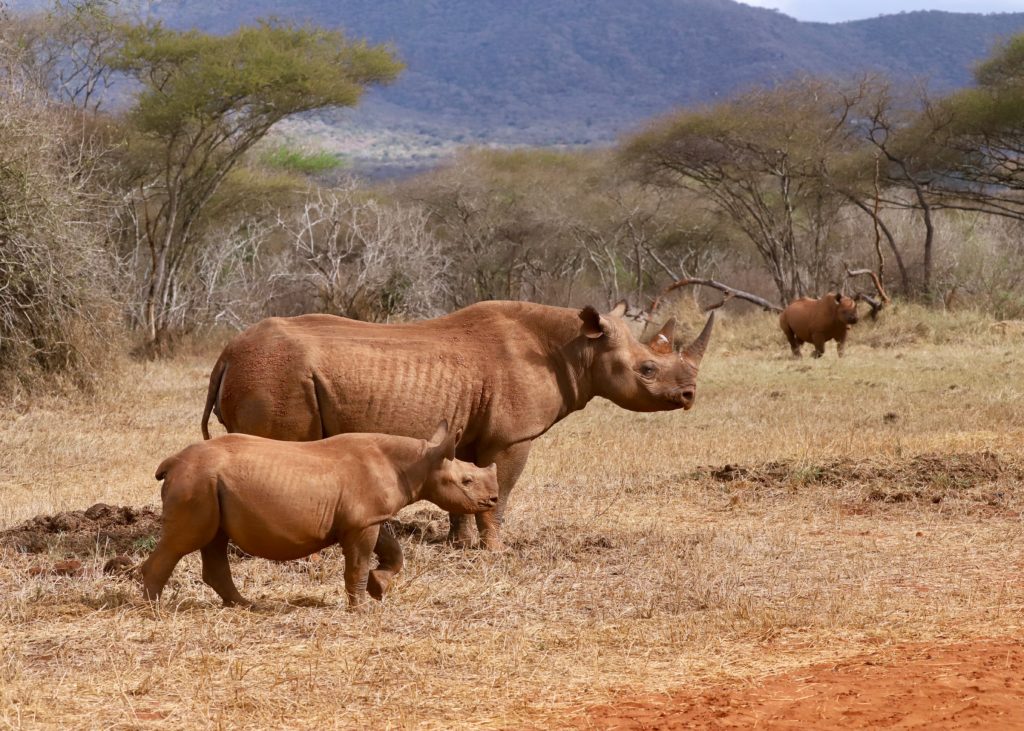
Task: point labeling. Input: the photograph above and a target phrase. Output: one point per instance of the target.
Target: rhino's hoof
(377, 584)
(494, 544)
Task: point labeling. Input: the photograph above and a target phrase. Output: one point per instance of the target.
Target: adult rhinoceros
(504, 372)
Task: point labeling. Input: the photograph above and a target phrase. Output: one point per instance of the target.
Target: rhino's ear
(620, 309)
(594, 326)
(662, 342)
(439, 434)
(839, 297)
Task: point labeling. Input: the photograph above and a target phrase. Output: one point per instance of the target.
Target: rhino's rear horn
(695, 350)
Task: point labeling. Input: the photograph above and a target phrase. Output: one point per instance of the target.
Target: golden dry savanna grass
(866, 502)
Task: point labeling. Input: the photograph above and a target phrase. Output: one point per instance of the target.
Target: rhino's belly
(279, 521)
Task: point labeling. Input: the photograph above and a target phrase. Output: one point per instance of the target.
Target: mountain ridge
(581, 71)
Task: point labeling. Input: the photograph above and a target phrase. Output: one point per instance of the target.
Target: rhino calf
(286, 500)
(817, 321)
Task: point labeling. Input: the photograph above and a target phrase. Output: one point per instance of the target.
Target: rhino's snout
(685, 397)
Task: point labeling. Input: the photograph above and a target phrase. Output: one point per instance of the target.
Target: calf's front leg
(389, 562)
(357, 546)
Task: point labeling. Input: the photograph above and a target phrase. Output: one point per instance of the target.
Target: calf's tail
(211, 394)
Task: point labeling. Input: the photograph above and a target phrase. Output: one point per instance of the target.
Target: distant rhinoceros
(504, 372)
(817, 321)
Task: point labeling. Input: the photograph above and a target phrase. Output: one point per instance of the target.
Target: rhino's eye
(467, 480)
(648, 369)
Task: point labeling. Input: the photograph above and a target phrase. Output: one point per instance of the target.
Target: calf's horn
(695, 350)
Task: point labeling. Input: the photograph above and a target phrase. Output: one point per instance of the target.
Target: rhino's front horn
(695, 350)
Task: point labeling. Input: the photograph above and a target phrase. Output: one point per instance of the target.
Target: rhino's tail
(165, 467)
(211, 395)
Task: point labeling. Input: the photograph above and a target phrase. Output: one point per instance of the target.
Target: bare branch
(728, 291)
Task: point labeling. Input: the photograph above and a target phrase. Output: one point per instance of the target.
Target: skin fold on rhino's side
(504, 372)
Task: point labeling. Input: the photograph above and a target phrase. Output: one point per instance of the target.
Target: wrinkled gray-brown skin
(506, 371)
(817, 321)
(285, 500)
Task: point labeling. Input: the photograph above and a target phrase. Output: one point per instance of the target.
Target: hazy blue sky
(833, 11)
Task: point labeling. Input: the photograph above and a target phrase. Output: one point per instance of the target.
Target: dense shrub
(58, 313)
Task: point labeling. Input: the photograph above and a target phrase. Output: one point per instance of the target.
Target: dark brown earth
(976, 477)
(972, 685)
(103, 529)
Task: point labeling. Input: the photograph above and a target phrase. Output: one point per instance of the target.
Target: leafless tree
(363, 258)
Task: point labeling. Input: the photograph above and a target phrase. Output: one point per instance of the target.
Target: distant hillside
(580, 71)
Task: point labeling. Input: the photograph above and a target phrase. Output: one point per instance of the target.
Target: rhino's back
(317, 375)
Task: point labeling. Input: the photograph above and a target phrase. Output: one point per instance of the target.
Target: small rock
(73, 567)
(118, 565)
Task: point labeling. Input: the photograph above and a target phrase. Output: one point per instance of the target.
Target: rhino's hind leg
(794, 343)
(390, 562)
(357, 545)
(217, 571)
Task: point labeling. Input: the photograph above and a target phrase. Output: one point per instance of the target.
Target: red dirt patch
(102, 528)
(975, 685)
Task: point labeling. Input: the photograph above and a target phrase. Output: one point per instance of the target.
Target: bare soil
(100, 529)
(972, 685)
(973, 477)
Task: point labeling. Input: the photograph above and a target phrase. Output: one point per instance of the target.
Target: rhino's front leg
(357, 546)
(460, 530)
(511, 462)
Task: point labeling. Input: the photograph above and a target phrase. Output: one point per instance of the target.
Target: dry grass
(878, 499)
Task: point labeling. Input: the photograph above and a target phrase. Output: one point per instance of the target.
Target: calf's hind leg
(157, 569)
(190, 521)
(217, 571)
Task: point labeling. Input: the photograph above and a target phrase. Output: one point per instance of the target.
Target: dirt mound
(971, 685)
(922, 478)
(102, 528)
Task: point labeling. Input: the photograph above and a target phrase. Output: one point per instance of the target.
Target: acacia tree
(978, 164)
(204, 101)
(761, 160)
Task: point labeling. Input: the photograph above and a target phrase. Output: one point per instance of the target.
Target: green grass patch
(298, 160)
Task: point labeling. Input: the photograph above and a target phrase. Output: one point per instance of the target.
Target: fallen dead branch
(876, 305)
(729, 292)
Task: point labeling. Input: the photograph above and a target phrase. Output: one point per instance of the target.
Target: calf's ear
(594, 326)
(452, 443)
(662, 342)
(440, 433)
